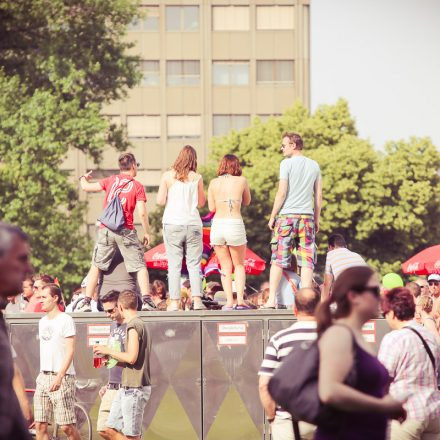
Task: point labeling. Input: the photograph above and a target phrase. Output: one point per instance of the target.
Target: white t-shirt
(340, 259)
(52, 334)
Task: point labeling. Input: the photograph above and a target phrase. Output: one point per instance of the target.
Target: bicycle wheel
(83, 422)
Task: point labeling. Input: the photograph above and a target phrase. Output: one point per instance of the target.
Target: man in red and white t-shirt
(132, 195)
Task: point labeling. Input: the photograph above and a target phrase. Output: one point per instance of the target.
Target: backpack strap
(119, 189)
(428, 350)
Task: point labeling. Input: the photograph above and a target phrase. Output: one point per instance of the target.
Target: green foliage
(60, 61)
(386, 205)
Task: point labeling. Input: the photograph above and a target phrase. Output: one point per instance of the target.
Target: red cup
(98, 361)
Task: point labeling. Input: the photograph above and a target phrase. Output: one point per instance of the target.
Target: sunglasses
(109, 311)
(375, 290)
(433, 283)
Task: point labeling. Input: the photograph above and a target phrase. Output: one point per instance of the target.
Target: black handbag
(294, 386)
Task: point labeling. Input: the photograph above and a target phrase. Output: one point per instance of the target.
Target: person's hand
(56, 383)
(102, 391)
(146, 239)
(101, 350)
(88, 175)
(316, 226)
(394, 409)
(271, 223)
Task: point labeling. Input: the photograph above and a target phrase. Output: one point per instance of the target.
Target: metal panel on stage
(204, 369)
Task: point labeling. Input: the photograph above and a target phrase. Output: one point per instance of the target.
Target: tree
(385, 204)
(60, 62)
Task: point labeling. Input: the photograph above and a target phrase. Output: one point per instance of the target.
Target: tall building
(208, 66)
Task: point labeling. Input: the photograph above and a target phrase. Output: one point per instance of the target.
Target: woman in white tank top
(181, 191)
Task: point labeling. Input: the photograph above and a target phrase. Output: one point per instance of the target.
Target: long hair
(351, 279)
(229, 165)
(186, 161)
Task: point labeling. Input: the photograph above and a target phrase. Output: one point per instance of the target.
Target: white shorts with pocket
(229, 231)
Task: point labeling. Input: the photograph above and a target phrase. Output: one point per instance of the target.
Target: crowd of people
(398, 384)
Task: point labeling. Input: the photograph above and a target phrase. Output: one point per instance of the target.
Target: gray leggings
(180, 240)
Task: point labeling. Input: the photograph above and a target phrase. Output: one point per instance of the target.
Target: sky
(383, 57)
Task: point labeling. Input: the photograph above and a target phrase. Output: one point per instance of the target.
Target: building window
(230, 73)
(230, 18)
(148, 23)
(182, 18)
(141, 126)
(275, 71)
(222, 124)
(183, 73)
(275, 17)
(184, 126)
(150, 73)
(265, 117)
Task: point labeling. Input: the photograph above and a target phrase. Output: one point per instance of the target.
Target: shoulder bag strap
(292, 284)
(428, 350)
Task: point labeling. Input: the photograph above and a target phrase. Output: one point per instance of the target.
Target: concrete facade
(208, 66)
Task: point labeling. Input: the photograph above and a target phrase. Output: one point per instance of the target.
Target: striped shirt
(280, 345)
(340, 259)
(406, 359)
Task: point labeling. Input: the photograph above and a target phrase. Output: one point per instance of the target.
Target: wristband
(80, 177)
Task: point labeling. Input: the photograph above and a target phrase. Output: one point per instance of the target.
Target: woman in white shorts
(226, 194)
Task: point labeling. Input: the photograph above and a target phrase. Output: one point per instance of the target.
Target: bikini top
(229, 201)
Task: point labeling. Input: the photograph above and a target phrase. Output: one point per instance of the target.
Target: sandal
(243, 307)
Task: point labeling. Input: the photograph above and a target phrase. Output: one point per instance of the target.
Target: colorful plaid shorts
(60, 402)
(293, 234)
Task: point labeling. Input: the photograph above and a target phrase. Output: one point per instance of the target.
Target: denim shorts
(127, 411)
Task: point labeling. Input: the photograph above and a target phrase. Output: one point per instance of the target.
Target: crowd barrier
(203, 365)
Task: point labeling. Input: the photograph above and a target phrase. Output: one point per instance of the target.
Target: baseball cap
(434, 277)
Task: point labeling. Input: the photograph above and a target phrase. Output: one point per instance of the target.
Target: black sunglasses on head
(375, 290)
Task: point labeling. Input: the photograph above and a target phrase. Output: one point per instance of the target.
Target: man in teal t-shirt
(295, 214)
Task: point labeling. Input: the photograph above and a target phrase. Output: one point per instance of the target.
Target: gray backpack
(113, 215)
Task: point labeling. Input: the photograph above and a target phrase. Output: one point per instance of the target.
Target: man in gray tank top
(295, 214)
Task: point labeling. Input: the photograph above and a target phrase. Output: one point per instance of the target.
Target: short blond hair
(128, 299)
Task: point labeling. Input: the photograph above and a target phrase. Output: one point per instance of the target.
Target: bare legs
(232, 257)
(143, 281)
(276, 272)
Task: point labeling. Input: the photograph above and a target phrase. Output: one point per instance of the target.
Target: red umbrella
(253, 264)
(156, 258)
(424, 263)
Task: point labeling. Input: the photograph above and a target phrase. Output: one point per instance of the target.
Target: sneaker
(147, 303)
(173, 307)
(198, 305)
(83, 305)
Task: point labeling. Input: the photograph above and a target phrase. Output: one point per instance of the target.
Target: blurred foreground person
(280, 345)
(226, 195)
(410, 353)
(14, 267)
(342, 348)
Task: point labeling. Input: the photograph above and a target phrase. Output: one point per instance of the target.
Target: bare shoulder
(336, 337)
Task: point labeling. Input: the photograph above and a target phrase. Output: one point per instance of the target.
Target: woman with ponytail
(343, 351)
